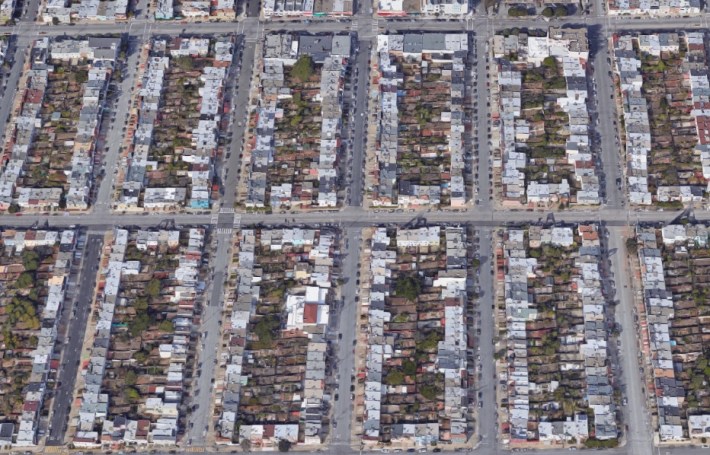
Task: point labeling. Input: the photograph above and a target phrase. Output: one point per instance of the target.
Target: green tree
(153, 288)
(561, 11)
(81, 76)
(632, 245)
(132, 395)
(429, 391)
(141, 304)
(284, 445)
(25, 281)
(30, 260)
(550, 62)
(517, 11)
(302, 70)
(394, 377)
(548, 12)
(408, 287)
(166, 326)
(139, 324)
(409, 367)
(131, 378)
(140, 357)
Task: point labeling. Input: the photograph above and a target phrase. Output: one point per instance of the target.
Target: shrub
(409, 367)
(429, 391)
(394, 377)
(303, 68)
(561, 11)
(408, 287)
(517, 11)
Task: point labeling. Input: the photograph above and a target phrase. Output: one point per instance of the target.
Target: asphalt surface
(352, 217)
(360, 112)
(487, 414)
(114, 139)
(348, 319)
(639, 436)
(251, 25)
(21, 47)
(611, 156)
(482, 144)
(209, 338)
(78, 312)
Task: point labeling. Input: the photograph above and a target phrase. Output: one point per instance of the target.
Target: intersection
(352, 218)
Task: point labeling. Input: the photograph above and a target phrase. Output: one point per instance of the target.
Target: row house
(42, 356)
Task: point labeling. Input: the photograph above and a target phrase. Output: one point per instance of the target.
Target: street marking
(214, 218)
(225, 230)
(237, 221)
(226, 210)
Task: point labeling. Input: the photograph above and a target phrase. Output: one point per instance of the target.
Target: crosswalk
(194, 449)
(54, 449)
(215, 218)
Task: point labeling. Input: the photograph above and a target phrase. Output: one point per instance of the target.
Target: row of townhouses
(639, 141)
(521, 310)
(451, 424)
(671, 400)
(26, 123)
(15, 242)
(568, 47)
(451, 52)
(96, 424)
(331, 54)
(305, 312)
(136, 188)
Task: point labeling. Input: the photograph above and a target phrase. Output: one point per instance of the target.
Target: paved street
(639, 436)
(361, 122)
(114, 139)
(200, 418)
(487, 414)
(352, 218)
(606, 116)
(482, 150)
(347, 319)
(78, 315)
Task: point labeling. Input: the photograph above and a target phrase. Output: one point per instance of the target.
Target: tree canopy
(303, 68)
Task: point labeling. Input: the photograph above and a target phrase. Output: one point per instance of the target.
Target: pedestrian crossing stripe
(214, 219)
(224, 230)
(226, 210)
(54, 449)
(195, 449)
